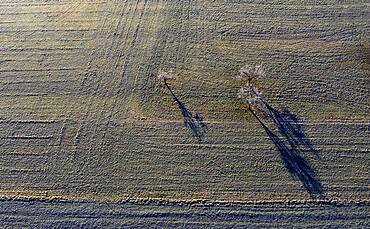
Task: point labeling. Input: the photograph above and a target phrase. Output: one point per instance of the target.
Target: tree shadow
(193, 122)
(291, 147)
(291, 127)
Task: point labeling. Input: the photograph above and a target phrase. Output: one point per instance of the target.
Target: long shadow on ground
(291, 146)
(194, 122)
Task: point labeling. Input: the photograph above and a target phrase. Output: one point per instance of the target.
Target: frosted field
(86, 124)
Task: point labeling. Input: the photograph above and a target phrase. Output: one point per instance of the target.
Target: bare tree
(288, 137)
(251, 72)
(250, 93)
(164, 76)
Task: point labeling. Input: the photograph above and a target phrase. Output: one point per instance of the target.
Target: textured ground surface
(147, 214)
(83, 116)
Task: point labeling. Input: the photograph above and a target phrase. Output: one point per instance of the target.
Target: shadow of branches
(291, 146)
(291, 128)
(292, 142)
(194, 122)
